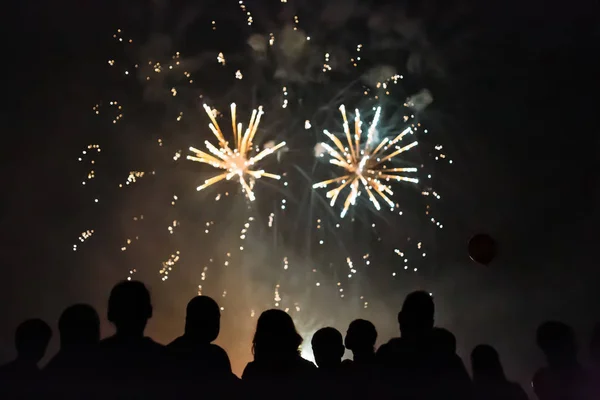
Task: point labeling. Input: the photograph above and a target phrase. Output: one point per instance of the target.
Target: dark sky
(519, 104)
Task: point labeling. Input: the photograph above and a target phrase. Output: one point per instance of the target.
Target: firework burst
(365, 167)
(237, 161)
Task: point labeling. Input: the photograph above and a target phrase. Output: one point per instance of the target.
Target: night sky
(515, 106)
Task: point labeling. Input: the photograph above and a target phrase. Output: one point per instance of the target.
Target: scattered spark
(131, 273)
(271, 218)
(128, 242)
(173, 225)
(132, 177)
(221, 59)
(248, 14)
(350, 267)
(285, 100)
(364, 166)
(168, 265)
(326, 66)
(237, 161)
(276, 296)
(83, 237)
(238, 74)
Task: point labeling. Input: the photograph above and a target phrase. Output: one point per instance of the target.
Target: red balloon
(482, 248)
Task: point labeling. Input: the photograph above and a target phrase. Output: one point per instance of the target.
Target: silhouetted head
(416, 317)
(79, 325)
(486, 365)
(361, 337)
(31, 340)
(443, 340)
(595, 344)
(203, 319)
(328, 347)
(275, 336)
(129, 307)
(557, 341)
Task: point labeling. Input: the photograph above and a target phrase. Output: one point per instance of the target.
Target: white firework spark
(365, 166)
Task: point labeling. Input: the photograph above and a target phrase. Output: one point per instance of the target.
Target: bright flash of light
(237, 161)
(364, 167)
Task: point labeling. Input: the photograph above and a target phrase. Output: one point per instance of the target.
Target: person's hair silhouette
(277, 365)
(203, 319)
(557, 341)
(489, 380)
(31, 340)
(417, 315)
(69, 372)
(360, 339)
(276, 336)
(485, 363)
(130, 364)
(129, 308)
(563, 377)
(328, 347)
(79, 326)
(21, 377)
(195, 357)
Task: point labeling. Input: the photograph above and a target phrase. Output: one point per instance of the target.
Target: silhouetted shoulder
(393, 343)
(210, 358)
(300, 368)
(516, 392)
(179, 343)
(540, 378)
(250, 371)
(307, 365)
(9, 371)
(387, 352)
(121, 354)
(219, 354)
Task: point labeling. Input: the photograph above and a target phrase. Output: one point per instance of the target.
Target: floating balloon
(482, 248)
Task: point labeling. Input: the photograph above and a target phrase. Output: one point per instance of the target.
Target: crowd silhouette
(420, 364)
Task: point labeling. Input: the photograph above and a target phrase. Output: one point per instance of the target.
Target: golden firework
(364, 167)
(237, 161)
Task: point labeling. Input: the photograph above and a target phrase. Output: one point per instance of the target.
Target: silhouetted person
(198, 362)
(69, 370)
(595, 361)
(595, 347)
(362, 370)
(328, 348)
(20, 377)
(277, 362)
(131, 364)
(413, 365)
(563, 378)
(360, 340)
(489, 381)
